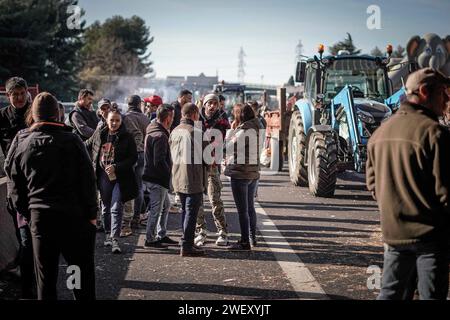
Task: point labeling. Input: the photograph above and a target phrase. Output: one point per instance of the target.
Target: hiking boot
(200, 240)
(155, 245)
(126, 232)
(168, 241)
(115, 246)
(222, 240)
(192, 252)
(240, 246)
(108, 241)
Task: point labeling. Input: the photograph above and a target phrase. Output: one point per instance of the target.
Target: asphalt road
(309, 248)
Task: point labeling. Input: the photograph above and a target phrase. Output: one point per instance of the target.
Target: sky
(195, 36)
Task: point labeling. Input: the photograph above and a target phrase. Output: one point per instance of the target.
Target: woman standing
(243, 168)
(114, 154)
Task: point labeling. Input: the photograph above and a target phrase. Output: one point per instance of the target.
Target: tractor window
(367, 79)
(311, 81)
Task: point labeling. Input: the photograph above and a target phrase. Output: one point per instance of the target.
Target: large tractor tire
(297, 151)
(322, 164)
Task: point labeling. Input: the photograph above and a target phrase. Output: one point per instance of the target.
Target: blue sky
(195, 36)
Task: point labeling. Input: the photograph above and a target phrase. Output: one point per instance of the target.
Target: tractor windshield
(365, 76)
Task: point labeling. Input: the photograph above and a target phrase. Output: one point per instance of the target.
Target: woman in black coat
(114, 154)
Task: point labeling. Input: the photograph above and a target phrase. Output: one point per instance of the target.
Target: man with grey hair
(409, 176)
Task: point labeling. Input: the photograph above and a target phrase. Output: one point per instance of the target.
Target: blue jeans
(139, 171)
(158, 211)
(190, 204)
(244, 197)
(403, 265)
(112, 206)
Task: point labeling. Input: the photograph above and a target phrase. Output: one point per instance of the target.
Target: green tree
(376, 52)
(399, 52)
(37, 44)
(346, 44)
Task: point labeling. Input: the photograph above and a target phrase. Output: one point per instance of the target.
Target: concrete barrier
(9, 245)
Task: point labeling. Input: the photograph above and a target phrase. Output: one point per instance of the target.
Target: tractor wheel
(297, 151)
(276, 156)
(322, 164)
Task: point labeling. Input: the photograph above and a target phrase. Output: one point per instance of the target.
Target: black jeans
(404, 265)
(244, 197)
(74, 238)
(190, 204)
(26, 263)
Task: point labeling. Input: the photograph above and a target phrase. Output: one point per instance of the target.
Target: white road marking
(296, 271)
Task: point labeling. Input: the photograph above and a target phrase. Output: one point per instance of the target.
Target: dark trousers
(244, 197)
(424, 264)
(26, 263)
(75, 240)
(190, 204)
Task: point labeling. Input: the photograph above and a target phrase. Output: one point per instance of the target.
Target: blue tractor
(346, 99)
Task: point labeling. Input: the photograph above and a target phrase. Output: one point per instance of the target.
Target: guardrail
(9, 245)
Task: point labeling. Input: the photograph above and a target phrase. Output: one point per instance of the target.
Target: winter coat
(136, 123)
(124, 159)
(408, 170)
(242, 152)
(12, 120)
(158, 161)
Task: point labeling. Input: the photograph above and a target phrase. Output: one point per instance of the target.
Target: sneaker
(143, 219)
(222, 240)
(240, 246)
(253, 242)
(155, 245)
(200, 240)
(126, 232)
(168, 241)
(108, 241)
(115, 246)
(192, 252)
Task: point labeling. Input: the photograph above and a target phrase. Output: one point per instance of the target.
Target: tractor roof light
(389, 49)
(321, 49)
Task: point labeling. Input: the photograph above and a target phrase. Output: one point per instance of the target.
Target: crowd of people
(119, 168)
(60, 171)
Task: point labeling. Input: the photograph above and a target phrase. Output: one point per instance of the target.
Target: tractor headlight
(366, 117)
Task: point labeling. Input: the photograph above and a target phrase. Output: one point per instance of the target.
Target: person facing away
(53, 186)
(114, 154)
(82, 118)
(408, 174)
(186, 144)
(157, 174)
(242, 166)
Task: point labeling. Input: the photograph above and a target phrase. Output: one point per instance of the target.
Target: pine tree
(376, 52)
(346, 44)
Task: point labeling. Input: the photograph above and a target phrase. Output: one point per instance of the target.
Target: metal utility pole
(241, 65)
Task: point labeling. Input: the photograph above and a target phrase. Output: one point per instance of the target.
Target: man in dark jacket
(157, 172)
(184, 97)
(12, 120)
(408, 173)
(52, 184)
(82, 118)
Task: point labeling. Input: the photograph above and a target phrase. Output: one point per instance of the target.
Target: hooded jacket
(158, 161)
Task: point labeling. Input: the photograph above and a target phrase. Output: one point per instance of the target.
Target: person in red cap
(151, 104)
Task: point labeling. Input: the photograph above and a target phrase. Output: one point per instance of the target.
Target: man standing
(408, 173)
(212, 119)
(82, 118)
(12, 120)
(151, 104)
(186, 146)
(136, 124)
(157, 172)
(184, 97)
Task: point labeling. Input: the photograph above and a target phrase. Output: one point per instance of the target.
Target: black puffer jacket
(12, 120)
(50, 171)
(124, 159)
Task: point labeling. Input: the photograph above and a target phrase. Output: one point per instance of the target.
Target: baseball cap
(154, 100)
(102, 102)
(426, 76)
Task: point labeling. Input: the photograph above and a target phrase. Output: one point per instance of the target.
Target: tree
(298, 51)
(241, 65)
(399, 52)
(37, 44)
(291, 81)
(376, 52)
(346, 44)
